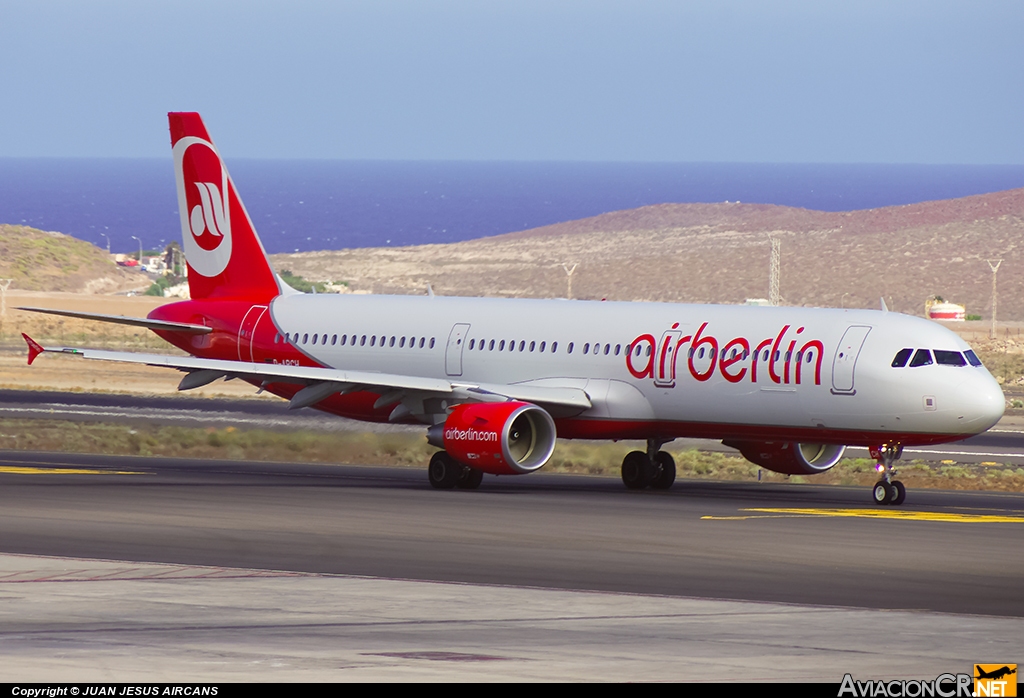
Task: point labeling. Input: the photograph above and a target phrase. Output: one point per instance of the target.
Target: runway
(714, 540)
(156, 569)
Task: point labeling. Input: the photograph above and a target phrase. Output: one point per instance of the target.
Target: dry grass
(413, 451)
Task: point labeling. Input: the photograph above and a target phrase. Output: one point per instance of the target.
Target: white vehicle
(495, 380)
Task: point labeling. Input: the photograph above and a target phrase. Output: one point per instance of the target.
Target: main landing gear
(887, 490)
(655, 469)
(446, 473)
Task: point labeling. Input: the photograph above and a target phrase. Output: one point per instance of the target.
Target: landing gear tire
(470, 479)
(888, 490)
(883, 492)
(637, 471)
(444, 472)
(899, 492)
(664, 471)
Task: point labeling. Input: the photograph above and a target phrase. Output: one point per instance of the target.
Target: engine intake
(790, 458)
(501, 438)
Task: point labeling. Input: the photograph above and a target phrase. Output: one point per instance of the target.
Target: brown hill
(719, 253)
(36, 260)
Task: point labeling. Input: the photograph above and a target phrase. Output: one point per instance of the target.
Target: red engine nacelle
(501, 438)
(790, 458)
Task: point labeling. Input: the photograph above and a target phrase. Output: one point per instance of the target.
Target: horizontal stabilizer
(184, 327)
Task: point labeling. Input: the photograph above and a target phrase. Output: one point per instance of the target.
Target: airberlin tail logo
(203, 205)
(210, 215)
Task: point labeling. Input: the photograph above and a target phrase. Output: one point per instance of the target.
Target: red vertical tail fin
(225, 256)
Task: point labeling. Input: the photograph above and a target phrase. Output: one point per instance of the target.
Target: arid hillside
(36, 260)
(720, 253)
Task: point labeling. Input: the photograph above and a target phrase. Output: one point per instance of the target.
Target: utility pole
(4, 283)
(994, 266)
(773, 280)
(108, 241)
(568, 273)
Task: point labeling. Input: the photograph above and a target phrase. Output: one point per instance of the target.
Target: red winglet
(34, 348)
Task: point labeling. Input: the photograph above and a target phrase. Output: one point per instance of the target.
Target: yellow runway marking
(874, 514)
(22, 470)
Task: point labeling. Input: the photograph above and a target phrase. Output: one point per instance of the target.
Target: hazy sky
(928, 81)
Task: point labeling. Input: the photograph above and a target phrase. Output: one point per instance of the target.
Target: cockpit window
(902, 356)
(923, 357)
(972, 358)
(949, 358)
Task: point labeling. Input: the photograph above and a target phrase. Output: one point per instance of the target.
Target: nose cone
(983, 402)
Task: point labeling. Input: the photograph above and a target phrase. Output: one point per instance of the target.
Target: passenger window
(533, 345)
(569, 350)
(618, 347)
(949, 358)
(586, 348)
(607, 348)
(542, 345)
(554, 347)
(923, 357)
(972, 358)
(901, 358)
(522, 345)
(305, 338)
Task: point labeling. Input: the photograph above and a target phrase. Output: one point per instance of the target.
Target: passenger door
(453, 352)
(845, 362)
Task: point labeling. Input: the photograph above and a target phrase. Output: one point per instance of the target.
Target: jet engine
(501, 438)
(790, 458)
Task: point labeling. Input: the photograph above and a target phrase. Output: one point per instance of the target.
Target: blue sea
(324, 204)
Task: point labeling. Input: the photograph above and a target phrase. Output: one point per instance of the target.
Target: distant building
(941, 310)
(757, 301)
(154, 264)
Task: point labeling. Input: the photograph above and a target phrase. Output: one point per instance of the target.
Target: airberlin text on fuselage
(790, 357)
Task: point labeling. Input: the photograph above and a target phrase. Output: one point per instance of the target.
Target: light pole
(994, 266)
(140, 248)
(842, 303)
(108, 242)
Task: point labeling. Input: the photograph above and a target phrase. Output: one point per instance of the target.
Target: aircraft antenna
(773, 279)
(994, 265)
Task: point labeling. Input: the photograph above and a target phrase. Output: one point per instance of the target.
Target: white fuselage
(680, 369)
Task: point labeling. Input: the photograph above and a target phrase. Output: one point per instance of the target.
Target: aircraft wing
(322, 382)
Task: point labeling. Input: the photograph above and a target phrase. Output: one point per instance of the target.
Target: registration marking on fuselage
(784, 512)
(26, 470)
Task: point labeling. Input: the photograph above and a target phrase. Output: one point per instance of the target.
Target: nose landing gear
(887, 490)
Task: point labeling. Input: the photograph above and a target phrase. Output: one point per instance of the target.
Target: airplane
(494, 381)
